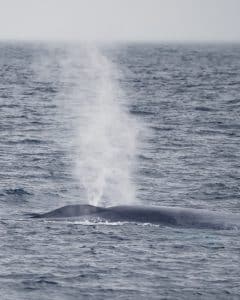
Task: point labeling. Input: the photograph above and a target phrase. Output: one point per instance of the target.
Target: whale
(160, 215)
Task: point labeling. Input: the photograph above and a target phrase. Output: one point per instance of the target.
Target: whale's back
(70, 211)
(186, 217)
(141, 214)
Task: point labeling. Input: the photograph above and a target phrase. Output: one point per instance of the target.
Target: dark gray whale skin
(173, 216)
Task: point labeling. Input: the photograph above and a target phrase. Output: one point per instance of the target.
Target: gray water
(154, 124)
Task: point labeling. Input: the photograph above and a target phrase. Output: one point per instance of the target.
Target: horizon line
(120, 41)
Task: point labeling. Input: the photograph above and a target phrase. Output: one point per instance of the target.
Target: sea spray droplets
(106, 136)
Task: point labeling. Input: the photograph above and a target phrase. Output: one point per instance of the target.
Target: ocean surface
(152, 124)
